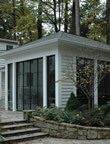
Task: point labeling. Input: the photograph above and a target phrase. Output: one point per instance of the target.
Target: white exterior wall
(4, 44)
(35, 53)
(68, 54)
(65, 54)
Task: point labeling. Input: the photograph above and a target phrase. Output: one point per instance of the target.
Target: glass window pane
(10, 86)
(85, 71)
(30, 84)
(103, 89)
(51, 79)
(20, 98)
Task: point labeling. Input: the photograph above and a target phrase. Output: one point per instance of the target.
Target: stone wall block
(91, 134)
(54, 126)
(62, 134)
(71, 129)
(53, 132)
(47, 130)
(82, 132)
(72, 135)
(103, 135)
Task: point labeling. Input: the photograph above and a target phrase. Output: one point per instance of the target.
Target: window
(30, 84)
(50, 79)
(85, 78)
(9, 47)
(104, 84)
(10, 86)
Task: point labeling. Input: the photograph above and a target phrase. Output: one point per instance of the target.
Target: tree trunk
(22, 7)
(14, 18)
(77, 17)
(39, 23)
(108, 20)
(66, 16)
(55, 22)
(59, 15)
(73, 29)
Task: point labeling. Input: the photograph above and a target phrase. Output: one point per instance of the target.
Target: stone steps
(15, 139)
(12, 122)
(18, 131)
(17, 126)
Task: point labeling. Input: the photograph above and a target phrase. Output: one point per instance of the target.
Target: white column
(0, 85)
(6, 87)
(14, 87)
(75, 75)
(95, 83)
(44, 81)
(57, 97)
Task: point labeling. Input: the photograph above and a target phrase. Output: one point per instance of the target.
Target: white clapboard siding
(66, 87)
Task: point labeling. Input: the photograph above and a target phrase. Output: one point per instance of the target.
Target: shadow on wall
(2, 104)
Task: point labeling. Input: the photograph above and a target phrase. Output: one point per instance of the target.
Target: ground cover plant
(74, 113)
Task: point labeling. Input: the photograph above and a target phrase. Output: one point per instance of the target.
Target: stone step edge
(20, 131)
(9, 122)
(23, 137)
(16, 126)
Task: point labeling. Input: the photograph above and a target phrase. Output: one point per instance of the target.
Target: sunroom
(33, 71)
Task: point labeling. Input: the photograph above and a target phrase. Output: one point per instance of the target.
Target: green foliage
(5, 19)
(72, 103)
(51, 113)
(27, 32)
(55, 16)
(1, 137)
(93, 20)
(100, 116)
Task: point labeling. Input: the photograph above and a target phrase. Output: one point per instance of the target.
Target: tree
(108, 20)
(26, 24)
(39, 23)
(73, 27)
(75, 23)
(6, 19)
(93, 23)
(66, 16)
(85, 78)
(14, 18)
(77, 17)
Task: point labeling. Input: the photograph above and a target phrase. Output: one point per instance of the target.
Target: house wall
(2, 90)
(4, 44)
(68, 53)
(36, 52)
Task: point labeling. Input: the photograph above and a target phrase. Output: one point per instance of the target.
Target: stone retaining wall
(71, 131)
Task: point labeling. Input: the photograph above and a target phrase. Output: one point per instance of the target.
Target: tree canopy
(28, 20)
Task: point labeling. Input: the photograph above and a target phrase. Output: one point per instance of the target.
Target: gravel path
(65, 141)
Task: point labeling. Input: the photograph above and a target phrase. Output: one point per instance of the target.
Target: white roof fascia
(26, 47)
(8, 41)
(85, 45)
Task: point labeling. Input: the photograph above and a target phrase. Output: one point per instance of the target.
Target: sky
(103, 1)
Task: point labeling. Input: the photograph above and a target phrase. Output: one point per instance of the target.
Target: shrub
(72, 103)
(1, 137)
(100, 116)
(51, 113)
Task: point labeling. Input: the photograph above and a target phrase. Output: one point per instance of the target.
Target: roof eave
(27, 47)
(85, 45)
